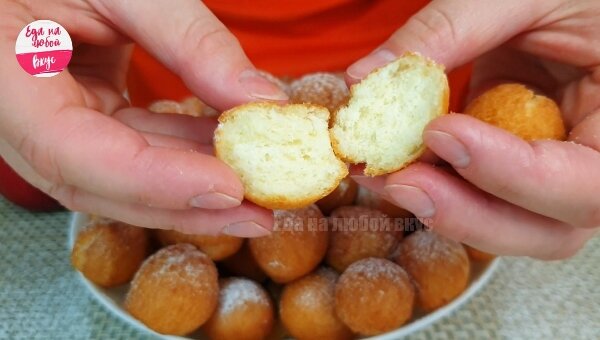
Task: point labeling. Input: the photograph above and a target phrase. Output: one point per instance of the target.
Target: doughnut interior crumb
(282, 153)
(383, 122)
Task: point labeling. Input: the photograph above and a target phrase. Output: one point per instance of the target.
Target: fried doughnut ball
(243, 263)
(109, 253)
(193, 106)
(478, 255)
(216, 247)
(374, 296)
(438, 266)
(175, 291)
(515, 108)
(371, 199)
(344, 194)
(321, 88)
(166, 106)
(244, 312)
(307, 307)
(357, 233)
(296, 245)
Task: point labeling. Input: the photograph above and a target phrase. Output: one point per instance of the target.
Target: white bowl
(112, 298)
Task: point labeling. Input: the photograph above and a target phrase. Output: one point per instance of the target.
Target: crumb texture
(282, 154)
(383, 122)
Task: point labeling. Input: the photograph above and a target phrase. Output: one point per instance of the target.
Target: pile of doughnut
(316, 276)
(323, 273)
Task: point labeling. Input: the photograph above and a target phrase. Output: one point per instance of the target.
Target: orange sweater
(291, 38)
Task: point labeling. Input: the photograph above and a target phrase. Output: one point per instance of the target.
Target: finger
(461, 212)
(586, 132)
(193, 43)
(84, 149)
(377, 183)
(245, 220)
(200, 130)
(455, 32)
(374, 184)
(164, 141)
(552, 178)
(21, 166)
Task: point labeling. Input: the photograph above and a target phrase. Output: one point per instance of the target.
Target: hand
(75, 137)
(539, 199)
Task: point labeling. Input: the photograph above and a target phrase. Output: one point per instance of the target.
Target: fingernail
(259, 87)
(214, 200)
(360, 69)
(245, 229)
(412, 199)
(448, 148)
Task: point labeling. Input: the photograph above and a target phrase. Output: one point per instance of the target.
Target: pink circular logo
(44, 48)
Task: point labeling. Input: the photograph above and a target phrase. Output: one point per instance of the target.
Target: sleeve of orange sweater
(291, 38)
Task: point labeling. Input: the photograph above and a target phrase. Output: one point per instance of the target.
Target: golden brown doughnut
(359, 232)
(244, 312)
(194, 107)
(438, 266)
(374, 296)
(515, 108)
(175, 291)
(321, 88)
(296, 245)
(191, 106)
(307, 307)
(109, 253)
(216, 247)
(166, 106)
(344, 194)
(243, 264)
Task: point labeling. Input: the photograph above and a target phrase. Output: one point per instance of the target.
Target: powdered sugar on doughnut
(237, 292)
(428, 246)
(325, 89)
(182, 262)
(320, 295)
(376, 268)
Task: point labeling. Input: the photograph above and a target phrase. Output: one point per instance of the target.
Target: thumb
(187, 38)
(454, 32)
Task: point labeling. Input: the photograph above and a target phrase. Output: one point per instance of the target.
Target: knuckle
(144, 164)
(41, 157)
(199, 39)
(435, 27)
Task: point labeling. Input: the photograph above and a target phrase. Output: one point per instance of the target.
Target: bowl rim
(78, 220)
